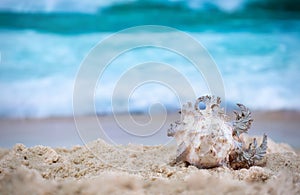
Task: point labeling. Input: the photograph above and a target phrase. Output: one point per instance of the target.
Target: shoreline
(281, 126)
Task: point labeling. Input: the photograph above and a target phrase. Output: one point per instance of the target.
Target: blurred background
(255, 43)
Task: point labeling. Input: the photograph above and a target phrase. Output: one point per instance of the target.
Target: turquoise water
(255, 45)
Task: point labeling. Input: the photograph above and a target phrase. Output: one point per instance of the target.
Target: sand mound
(100, 168)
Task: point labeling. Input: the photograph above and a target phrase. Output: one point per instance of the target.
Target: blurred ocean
(256, 45)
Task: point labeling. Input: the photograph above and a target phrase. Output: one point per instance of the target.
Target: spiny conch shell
(205, 139)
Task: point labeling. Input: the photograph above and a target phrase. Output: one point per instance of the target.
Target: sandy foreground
(101, 168)
(55, 160)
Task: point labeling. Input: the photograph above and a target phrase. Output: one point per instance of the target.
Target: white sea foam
(38, 71)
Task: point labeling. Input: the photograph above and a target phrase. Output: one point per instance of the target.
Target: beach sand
(102, 168)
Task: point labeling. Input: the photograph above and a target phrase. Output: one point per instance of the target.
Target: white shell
(203, 136)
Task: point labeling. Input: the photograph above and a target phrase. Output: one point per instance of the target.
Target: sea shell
(206, 139)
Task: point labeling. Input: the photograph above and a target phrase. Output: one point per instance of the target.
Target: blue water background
(256, 45)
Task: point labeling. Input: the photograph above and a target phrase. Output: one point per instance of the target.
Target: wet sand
(281, 126)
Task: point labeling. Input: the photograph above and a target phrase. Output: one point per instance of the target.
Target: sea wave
(260, 70)
(67, 17)
(93, 6)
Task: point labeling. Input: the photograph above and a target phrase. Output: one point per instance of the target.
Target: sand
(100, 168)
(62, 165)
